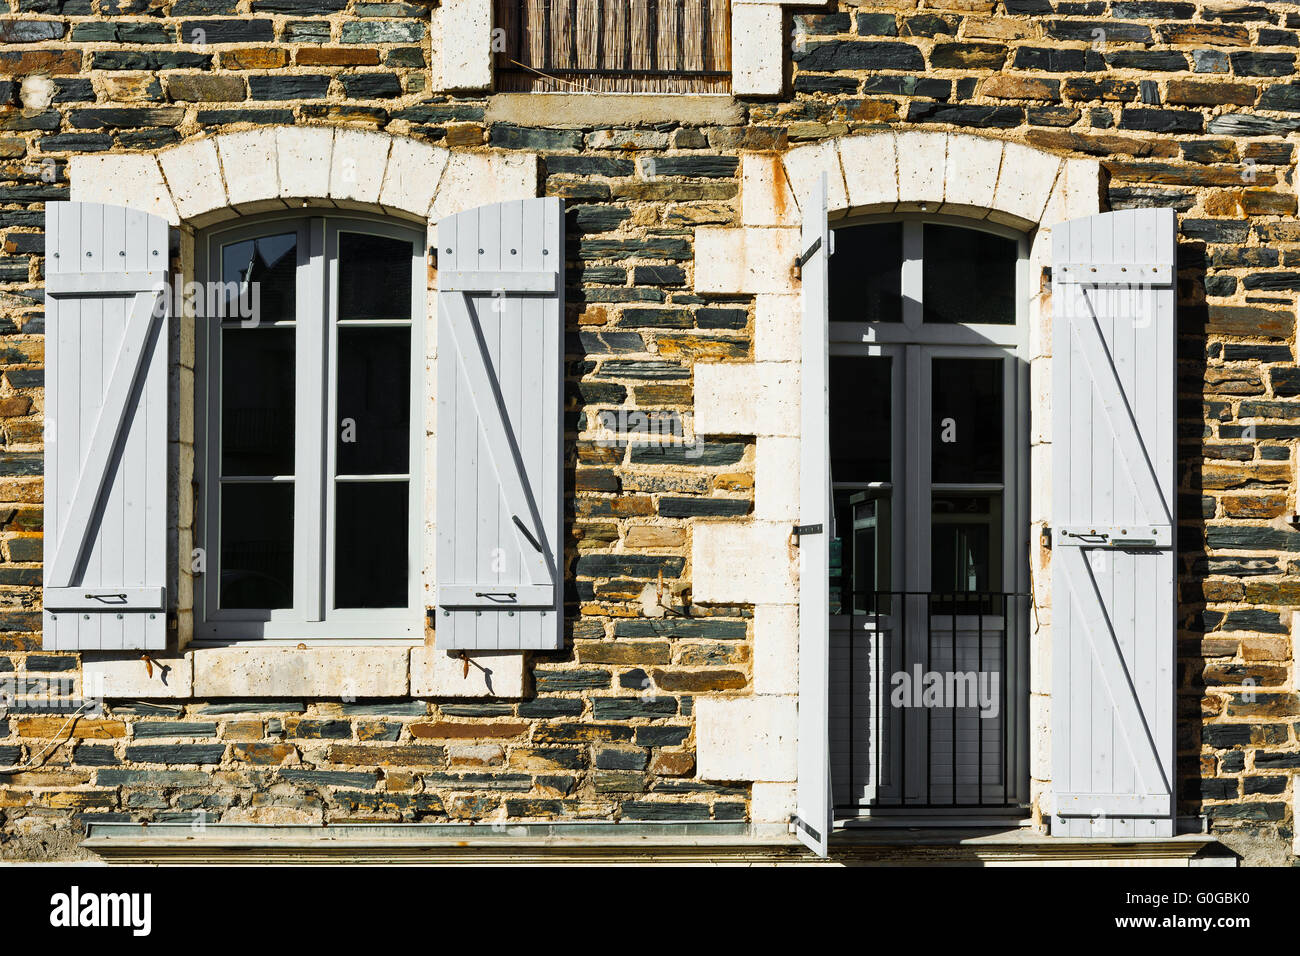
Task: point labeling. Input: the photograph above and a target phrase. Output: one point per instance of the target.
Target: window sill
(262, 671)
(613, 109)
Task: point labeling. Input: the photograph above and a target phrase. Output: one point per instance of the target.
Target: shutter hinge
(802, 529)
(801, 261)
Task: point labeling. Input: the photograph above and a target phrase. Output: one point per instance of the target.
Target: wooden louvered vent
(669, 46)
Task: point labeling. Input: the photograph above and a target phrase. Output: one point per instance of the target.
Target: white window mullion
(913, 254)
(308, 586)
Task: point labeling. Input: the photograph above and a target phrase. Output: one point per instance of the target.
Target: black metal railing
(571, 45)
(926, 699)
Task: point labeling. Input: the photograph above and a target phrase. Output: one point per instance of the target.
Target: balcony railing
(670, 46)
(927, 702)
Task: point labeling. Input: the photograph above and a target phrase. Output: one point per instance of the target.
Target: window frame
(315, 421)
(912, 345)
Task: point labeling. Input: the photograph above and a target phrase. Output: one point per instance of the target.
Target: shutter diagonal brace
(110, 426)
(1119, 416)
(508, 462)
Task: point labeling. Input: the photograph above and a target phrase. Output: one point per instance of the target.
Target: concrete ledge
(124, 674)
(291, 672)
(612, 109)
(644, 843)
(436, 673)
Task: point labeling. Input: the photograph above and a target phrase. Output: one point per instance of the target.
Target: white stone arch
(750, 560)
(205, 181)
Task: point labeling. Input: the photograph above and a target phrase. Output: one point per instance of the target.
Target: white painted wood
(1113, 471)
(106, 428)
(105, 283)
(500, 328)
(496, 281)
(814, 802)
(104, 599)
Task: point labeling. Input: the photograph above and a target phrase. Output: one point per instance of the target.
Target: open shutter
(813, 817)
(499, 428)
(105, 428)
(1113, 485)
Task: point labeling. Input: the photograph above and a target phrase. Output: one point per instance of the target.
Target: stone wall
(1189, 104)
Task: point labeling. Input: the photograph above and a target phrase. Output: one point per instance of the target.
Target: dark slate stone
(1255, 63)
(987, 117)
(597, 218)
(1156, 61)
(479, 781)
(694, 628)
(588, 165)
(176, 753)
(1284, 97)
(72, 90)
(707, 454)
(361, 780)
(509, 136)
(703, 507)
(663, 812)
(1057, 60)
(647, 370)
(411, 57)
(840, 55)
(224, 117)
(304, 8)
(381, 31)
(173, 729)
(149, 62)
(825, 83)
(1161, 121)
(235, 30)
(630, 565)
(78, 142)
(1108, 31)
(49, 663)
(289, 87)
(31, 31)
(1215, 230)
(630, 708)
(1248, 537)
(1244, 124)
(570, 680)
(544, 707)
(371, 86)
(877, 24)
(711, 166)
(1222, 736)
(95, 755)
(908, 86)
(1147, 10)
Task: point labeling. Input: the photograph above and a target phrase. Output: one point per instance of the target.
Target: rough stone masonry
(1190, 104)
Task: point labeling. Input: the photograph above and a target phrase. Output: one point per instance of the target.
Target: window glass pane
(257, 405)
(860, 564)
(866, 273)
(371, 535)
(374, 277)
(968, 276)
(374, 406)
(257, 545)
(264, 273)
(968, 421)
(860, 409)
(966, 543)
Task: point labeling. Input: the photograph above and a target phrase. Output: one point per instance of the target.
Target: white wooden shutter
(1113, 487)
(105, 566)
(814, 813)
(499, 428)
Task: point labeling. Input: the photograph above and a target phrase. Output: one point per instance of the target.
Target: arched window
(929, 460)
(309, 430)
